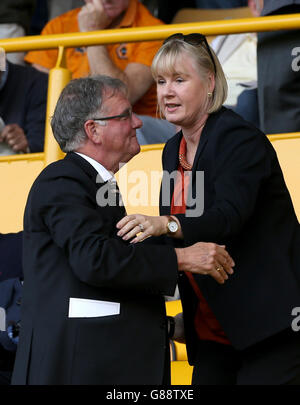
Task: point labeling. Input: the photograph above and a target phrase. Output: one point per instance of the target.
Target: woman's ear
(211, 82)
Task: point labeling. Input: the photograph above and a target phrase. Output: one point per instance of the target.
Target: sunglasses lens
(193, 39)
(174, 36)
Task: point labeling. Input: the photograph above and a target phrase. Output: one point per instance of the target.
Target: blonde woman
(229, 189)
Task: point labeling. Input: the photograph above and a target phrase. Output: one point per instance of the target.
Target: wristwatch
(172, 226)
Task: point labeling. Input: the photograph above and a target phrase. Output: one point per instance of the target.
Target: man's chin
(136, 151)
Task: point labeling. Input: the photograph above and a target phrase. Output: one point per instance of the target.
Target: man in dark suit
(23, 96)
(278, 78)
(93, 309)
(10, 294)
(11, 255)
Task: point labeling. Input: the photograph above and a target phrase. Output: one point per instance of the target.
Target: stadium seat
(181, 371)
(189, 15)
(287, 147)
(186, 15)
(139, 181)
(17, 172)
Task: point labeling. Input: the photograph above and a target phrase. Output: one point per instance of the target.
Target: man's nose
(136, 121)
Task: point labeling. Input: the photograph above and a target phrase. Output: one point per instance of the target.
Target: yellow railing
(59, 76)
(27, 166)
(159, 32)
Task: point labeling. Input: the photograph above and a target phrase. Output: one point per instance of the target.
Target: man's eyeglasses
(121, 117)
(193, 39)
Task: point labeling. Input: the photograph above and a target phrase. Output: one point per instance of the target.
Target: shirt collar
(4, 77)
(103, 173)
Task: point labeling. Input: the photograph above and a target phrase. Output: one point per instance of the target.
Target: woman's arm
(140, 227)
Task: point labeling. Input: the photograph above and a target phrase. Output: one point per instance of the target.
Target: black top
(248, 208)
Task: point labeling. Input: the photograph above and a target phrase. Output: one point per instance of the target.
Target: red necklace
(182, 155)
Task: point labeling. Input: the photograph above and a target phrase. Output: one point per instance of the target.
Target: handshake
(200, 258)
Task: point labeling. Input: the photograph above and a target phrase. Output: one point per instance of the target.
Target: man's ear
(92, 130)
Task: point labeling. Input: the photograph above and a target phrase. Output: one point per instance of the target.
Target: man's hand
(92, 17)
(206, 258)
(14, 136)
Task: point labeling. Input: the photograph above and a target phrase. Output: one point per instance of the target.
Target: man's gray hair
(79, 101)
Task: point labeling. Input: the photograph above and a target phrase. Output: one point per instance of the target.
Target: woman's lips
(172, 107)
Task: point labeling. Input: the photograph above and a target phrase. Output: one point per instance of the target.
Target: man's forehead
(115, 100)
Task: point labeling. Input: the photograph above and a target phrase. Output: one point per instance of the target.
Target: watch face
(173, 227)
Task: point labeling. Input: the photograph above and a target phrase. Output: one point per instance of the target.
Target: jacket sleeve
(36, 101)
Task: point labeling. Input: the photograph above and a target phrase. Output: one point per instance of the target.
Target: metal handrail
(157, 32)
(60, 75)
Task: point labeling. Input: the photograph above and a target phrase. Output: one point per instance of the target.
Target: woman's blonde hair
(205, 60)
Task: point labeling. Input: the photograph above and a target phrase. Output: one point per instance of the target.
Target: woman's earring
(209, 94)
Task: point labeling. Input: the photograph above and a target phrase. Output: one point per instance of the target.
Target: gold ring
(218, 268)
(141, 226)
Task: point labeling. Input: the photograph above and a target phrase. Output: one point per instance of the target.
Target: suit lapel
(209, 128)
(170, 165)
(201, 146)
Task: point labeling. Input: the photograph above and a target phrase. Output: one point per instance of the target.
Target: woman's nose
(167, 89)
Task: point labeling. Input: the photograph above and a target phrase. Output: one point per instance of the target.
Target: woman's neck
(192, 137)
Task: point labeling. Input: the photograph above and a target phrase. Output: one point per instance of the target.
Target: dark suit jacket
(10, 300)
(71, 250)
(11, 255)
(248, 208)
(277, 75)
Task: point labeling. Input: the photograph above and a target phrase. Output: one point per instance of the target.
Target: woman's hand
(140, 227)
(206, 258)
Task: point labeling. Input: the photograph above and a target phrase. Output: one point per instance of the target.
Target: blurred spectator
(155, 130)
(10, 301)
(23, 95)
(278, 77)
(166, 13)
(10, 294)
(40, 17)
(221, 3)
(58, 7)
(15, 19)
(11, 254)
(237, 54)
(129, 62)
